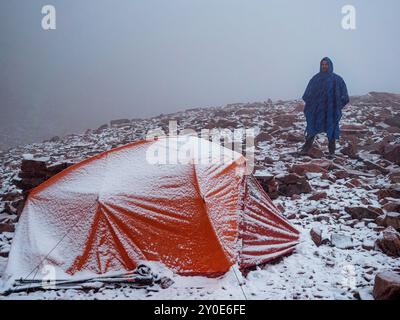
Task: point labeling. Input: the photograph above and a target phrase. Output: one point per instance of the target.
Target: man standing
(325, 97)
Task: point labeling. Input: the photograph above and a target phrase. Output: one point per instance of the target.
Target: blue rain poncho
(325, 97)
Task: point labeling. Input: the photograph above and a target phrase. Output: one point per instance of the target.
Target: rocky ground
(347, 208)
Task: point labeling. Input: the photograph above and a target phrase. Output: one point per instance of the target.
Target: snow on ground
(343, 270)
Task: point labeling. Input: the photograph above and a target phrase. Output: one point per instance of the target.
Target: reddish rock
(339, 161)
(362, 212)
(389, 242)
(387, 285)
(341, 174)
(285, 120)
(5, 227)
(354, 182)
(35, 171)
(378, 210)
(315, 152)
(269, 185)
(292, 184)
(393, 121)
(57, 167)
(307, 167)
(388, 193)
(394, 177)
(223, 123)
(280, 207)
(393, 130)
(15, 207)
(325, 164)
(392, 207)
(262, 137)
(353, 129)
(374, 166)
(33, 168)
(291, 178)
(380, 221)
(291, 216)
(318, 196)
(392, 153)
(291, 137)
(327, 176)
(11, 196)
(392, 219)
(28, 183)
(299, 107)
(165, 282)
(317, 237)
(351, 151)
(313, 210)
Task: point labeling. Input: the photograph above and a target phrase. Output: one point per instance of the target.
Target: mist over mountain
(139, 59)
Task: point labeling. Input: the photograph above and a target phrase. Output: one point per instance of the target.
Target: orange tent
(197, 212)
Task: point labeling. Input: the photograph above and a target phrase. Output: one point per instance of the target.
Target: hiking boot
(332, 147)
(307, 145)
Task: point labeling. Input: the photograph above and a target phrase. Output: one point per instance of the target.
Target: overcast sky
(139, 58)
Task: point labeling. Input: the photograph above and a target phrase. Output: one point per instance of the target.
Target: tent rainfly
(198, 215)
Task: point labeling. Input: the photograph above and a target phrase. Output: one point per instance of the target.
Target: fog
(132, 59)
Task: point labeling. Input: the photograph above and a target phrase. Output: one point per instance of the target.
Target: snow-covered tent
(183, 201)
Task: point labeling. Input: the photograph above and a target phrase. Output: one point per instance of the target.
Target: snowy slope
(342, 270)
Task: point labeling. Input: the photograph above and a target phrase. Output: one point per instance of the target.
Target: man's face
(324, 66)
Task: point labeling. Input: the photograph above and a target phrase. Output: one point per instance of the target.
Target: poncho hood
(330, 65)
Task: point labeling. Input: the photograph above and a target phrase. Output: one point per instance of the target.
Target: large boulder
(6, 227)
(362, 212)
(392, 153)
(318, 237)
(389, 242)
(392, 219)
(292, 184)
(387, 285)
(391, 206)
(307, 167)
(388, 193)
(317, 196)
(33, 168)
(389, 149)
